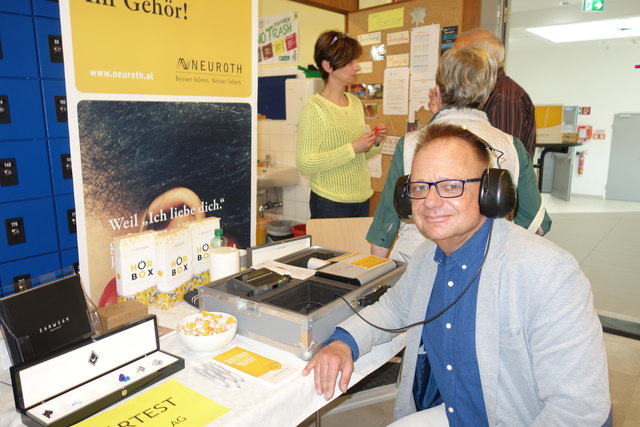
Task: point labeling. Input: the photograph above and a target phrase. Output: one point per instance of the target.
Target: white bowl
(206, 343)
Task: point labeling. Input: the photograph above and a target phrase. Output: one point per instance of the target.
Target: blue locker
(18, 54)
(17, 6)
(28, 273)
(66, 217)
(48, 8)
(69, 258)
(29, 228)
(21, 115)
(49, 41)
(54, 99)
(24, 170)
(60, 158)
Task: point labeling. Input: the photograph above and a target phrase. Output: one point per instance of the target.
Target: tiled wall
(278, 138)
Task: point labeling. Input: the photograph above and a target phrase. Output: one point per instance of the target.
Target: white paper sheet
(389, 145)
(425, 42)
(375, 166)
(396, 91)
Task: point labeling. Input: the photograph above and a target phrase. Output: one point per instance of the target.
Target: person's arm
(333, 359)
(530, 211)
(312, 130)
(386, 221)
(564, 339)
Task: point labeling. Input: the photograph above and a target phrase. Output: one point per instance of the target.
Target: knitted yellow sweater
(325, 153)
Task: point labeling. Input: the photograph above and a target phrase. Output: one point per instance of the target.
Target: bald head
(484, 40)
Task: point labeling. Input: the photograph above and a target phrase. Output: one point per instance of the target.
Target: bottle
(218, 239)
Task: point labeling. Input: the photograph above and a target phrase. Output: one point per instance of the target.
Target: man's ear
(327, 66)
(173, 208)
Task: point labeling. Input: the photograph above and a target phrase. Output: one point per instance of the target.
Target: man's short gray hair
(482, 39)
(466, 77)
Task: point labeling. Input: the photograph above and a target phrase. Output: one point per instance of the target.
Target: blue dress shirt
(449, 367)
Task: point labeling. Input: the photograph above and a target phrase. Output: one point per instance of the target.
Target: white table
(256, 402)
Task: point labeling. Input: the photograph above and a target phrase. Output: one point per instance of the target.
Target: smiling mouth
(436, 218)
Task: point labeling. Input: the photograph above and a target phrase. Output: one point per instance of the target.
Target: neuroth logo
(208, 66)
(53, 326)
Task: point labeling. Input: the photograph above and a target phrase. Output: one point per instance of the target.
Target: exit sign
(592, 5)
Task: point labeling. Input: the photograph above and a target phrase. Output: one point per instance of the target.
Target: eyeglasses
(447, 188)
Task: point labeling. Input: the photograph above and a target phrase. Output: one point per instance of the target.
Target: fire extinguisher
(580, 162)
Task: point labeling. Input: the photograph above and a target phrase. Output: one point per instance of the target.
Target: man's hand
(435, 101)
(326, 364)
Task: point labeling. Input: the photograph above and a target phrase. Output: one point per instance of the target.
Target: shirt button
(450, 410)
(448, 325)
(449, 367)
(450, 283)
(464, 266)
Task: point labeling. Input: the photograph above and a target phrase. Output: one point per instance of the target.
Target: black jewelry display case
(41, 320)
(78, 381)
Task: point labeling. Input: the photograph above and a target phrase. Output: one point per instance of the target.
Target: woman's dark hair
(337, 48)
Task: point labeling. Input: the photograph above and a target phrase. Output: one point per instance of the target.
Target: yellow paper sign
(247, 361)
(388, 19)
(163, 48)
(172, 403)
(369, 262)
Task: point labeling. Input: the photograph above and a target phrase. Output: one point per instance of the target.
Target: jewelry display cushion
(79, 381)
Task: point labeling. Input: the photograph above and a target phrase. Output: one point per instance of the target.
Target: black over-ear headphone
(497, 194)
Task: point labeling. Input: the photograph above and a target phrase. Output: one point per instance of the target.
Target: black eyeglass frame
(435, 184)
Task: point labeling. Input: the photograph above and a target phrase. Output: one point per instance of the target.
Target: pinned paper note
(171, 403)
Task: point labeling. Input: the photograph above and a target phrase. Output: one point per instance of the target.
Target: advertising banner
(162, 107)
(278, 39)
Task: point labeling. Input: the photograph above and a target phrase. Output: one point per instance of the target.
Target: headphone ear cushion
(497, 193)
(401, 201)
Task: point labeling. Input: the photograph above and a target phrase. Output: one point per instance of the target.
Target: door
(625, 158)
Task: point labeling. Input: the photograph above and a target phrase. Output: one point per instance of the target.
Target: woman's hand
(364, 143)
(381, 133)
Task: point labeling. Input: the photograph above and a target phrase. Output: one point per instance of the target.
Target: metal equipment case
(299, 313)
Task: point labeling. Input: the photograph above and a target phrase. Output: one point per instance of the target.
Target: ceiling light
(595, 30)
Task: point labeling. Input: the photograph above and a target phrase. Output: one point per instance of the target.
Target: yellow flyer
(169, 404)
(255, 365)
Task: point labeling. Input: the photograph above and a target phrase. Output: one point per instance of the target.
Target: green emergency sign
(592, 5)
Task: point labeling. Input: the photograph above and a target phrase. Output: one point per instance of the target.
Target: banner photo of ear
(154, 166)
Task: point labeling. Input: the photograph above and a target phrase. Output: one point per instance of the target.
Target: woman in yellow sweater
(333, 146)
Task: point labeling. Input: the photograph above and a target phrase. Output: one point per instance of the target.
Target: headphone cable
(441, 312)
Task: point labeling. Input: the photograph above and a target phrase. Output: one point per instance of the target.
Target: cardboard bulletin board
(402, 17)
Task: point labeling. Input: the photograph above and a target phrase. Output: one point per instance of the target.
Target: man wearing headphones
(501, 324)
(465, 78)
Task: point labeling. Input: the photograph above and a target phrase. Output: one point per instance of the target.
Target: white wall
(278, 137)
(602, 78)
(312, 21)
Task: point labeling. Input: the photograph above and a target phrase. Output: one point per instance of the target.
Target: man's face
(449, 222)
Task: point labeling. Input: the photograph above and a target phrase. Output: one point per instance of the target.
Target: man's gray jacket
(539, 342)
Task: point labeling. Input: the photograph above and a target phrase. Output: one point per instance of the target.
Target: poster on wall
(161, 117)
(278, 39)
